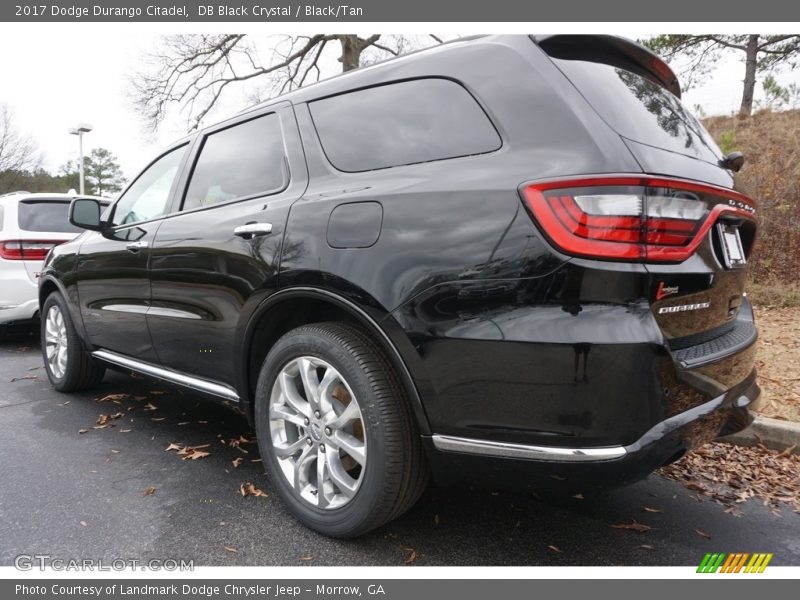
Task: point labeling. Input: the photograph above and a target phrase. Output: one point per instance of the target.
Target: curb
(773, 433)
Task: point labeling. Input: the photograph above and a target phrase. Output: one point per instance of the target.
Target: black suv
(505, 260)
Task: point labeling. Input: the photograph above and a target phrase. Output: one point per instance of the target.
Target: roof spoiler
(613, 50)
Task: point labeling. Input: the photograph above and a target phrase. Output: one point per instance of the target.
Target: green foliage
(102, 176)
(727, 141)
(778, 97)
(102, 172)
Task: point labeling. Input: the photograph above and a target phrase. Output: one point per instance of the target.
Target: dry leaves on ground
(189, 452)
(248, 489)
(105, 419)
(112, 398)
(777, 361)
(150, 491)
(732, 475)
(634, 525)
(411, 555)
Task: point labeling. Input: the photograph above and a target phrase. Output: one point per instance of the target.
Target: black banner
(364, 11)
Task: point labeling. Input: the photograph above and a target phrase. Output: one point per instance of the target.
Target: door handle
(136, 246)
(251, 230)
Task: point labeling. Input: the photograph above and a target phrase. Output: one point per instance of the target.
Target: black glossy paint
(501, 337)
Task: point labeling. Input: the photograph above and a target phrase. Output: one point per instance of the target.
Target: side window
(246, 159)
(401, 124)
(148, 196)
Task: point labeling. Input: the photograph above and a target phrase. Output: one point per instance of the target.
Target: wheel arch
(292, 307)
(49, 284)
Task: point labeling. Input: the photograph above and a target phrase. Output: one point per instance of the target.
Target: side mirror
(85, 213)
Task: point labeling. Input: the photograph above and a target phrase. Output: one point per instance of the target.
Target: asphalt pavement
(79, 495)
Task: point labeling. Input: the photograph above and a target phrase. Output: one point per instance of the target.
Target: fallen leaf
(105, 419)
(555, 549)
(13, 379)
(114, 451)
(82, 430)
(578, 496)
(112, 398)
(150, 406)
(702, 534)
(150, 491)
(436, 519)
(140, 398)
(248, 489)
(157, 418)
(84, 524)
(411, 554)
(181, 423)
(230, 549)
(195, 454)
(306, 558)
(647, 547)
(236, 462)
(125, 430)
(173, 446)
(652, 510)
(558, 477)
(634, 525)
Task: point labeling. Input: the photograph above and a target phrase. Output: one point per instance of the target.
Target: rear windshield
(45, 215)
(640, 109)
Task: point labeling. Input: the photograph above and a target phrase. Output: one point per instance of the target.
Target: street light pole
(79, 131)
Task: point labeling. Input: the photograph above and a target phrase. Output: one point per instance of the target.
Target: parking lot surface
(74, 491)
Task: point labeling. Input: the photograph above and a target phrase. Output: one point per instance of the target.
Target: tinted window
(45, 215)
(402, 124)
(148, 196)
(640, 109)
(243, 160)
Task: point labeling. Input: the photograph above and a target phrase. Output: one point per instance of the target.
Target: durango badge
(683, 307)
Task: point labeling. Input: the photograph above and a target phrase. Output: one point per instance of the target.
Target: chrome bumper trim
(461, 445)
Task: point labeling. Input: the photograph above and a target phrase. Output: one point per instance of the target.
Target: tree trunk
(352, 47)
(751, 56)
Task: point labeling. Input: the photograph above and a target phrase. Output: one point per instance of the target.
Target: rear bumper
(527, 467)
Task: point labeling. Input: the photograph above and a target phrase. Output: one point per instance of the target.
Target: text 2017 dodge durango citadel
(496, 260)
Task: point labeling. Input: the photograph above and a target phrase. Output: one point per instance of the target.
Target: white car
(30, 225)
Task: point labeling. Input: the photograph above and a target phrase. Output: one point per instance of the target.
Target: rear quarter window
(45, 215)
(402, 124)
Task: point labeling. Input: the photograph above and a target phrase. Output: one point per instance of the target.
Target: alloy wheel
(317, 432)
(55, 336)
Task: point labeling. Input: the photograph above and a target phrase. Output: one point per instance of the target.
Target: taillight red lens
(26, 249)
(630, 218)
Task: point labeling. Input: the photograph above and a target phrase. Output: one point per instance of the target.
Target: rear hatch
(43, 223)
(682, 218)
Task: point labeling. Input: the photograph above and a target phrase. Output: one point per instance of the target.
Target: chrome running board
(215, 389)
(461, 445)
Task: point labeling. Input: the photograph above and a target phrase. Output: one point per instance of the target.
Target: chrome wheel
(317, 432)
(55, 338)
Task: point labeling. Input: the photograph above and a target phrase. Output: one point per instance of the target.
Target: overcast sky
(55, 83)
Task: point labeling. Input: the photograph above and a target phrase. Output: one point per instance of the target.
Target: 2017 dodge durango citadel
(496, 260)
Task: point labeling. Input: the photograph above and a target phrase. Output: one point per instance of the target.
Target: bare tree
(17, 152)
(193, 71)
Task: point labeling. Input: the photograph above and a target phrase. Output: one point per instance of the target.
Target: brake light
(27, 249)
(631, 218)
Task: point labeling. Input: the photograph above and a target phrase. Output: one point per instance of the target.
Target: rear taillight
(630, 218)
(26, 249)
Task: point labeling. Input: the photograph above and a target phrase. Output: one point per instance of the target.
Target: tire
(393, 472)
(77, 370)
